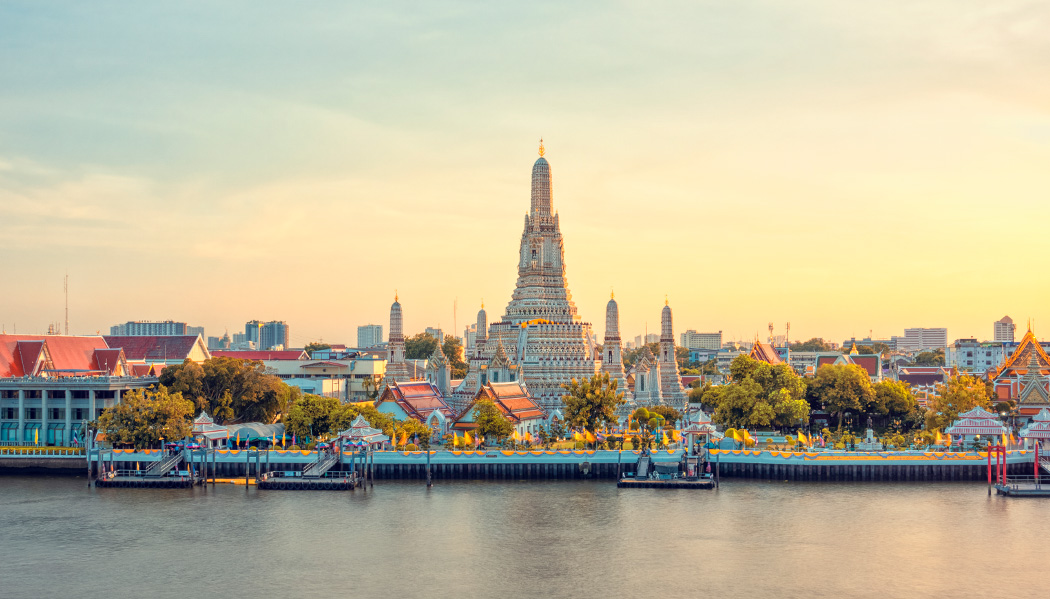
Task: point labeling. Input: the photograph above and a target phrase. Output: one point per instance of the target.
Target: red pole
(989, 457)
(1037, 461)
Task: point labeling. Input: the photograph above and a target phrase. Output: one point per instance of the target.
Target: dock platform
(673, 483)
(1024, 486)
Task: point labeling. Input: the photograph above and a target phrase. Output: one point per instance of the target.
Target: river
(458, 540)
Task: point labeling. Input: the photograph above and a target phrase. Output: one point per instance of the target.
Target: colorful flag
(36, 436)
(666, 442)
(802, 438)
(940, 439)
(404, 438)
(1004, 439)
(515, 436)
(466, 438)
(591, 438)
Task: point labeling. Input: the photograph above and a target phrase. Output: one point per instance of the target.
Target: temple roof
(417, 398)
(139, 348)
(765, 353)
(1020, 357)
(51, 355)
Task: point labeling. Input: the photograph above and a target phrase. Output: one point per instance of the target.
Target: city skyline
(831, 166)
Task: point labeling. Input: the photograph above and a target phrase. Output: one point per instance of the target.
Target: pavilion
(1038, 430)
(975, 424)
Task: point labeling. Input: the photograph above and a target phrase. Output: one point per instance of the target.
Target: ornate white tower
(671, 391)
(396, 368)
(541, 333)
(612, 360)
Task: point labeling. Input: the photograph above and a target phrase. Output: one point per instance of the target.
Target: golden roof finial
(542, 150)
(395, 295)
(665, 300)
(482, 303)
(612, 294)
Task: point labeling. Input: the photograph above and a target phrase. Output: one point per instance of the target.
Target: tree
(491, 421)
(313, 417)
(861, 349)
(413, 431)
(591, 402)
(420, 346)
(895, 399)
(843, 388)
(930, 358)
(669, 414)
(880, 348)
(373, 386)
(144, 418)
(814, 344)
(224, 385)
(453, 350)
(316, 346)
(759, 395)
(958, 394)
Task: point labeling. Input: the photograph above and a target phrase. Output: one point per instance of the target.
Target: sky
(845, 167)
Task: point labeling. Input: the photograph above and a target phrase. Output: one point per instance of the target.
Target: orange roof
(19, 354)
(140, 348)
(764, 352)
(1019, 359)
(417, 398)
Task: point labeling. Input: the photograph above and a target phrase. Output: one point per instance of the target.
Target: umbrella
(321, 445)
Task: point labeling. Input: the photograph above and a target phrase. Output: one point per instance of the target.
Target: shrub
(411, 447)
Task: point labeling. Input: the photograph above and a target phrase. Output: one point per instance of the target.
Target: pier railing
(42, 451)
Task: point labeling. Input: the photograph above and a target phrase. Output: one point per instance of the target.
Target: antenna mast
(65, 288)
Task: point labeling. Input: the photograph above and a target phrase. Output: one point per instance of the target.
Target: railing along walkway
(164, 465)
(322, 466)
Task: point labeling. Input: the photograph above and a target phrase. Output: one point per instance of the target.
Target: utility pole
(65, 288)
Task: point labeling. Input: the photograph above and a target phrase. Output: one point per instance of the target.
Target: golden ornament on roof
(542, 150)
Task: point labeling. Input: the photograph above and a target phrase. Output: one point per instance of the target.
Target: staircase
(165, 464)
(1045, 463)
(642, 470)
(320, 467)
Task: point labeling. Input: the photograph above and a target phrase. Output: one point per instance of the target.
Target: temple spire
(542, 149)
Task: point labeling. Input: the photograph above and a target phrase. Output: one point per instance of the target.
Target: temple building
(671, 392)
(612, 357)
(1023, 377)
(545, 341)
(397, 370)
(644, 379)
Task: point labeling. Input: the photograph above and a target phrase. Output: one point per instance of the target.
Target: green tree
(930, 358)
(958, 394)
(895, 399)
(814, 344)
(842, 388)
(144, 418)
(313, 416)
(758, 395)
(316, 346)
(880, 348)
(861, 349)
(223, 385)
(453, 349)
(420, 346)
(591, 403)
(669, 414)
(491, 421)
(373, 387)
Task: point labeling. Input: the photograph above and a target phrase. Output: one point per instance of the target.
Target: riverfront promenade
(550, 464)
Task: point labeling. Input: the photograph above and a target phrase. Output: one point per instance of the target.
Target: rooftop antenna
(770, 334)
(788, 339)
(65, 288)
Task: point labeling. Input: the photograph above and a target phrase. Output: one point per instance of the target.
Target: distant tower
(65, 288)
(771, 334)
(396, 368)
(439, 372)
(671, 392)
(612, 359)
(1003, 330)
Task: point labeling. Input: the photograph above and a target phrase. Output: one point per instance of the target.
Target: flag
(590, 437)
(947, 440)
(676, 436)
(940, 439)
(404, 438)
(293, 438)
(283, 439)
(36, 436)
(737, 436)
(802, 438)
(665, 438)
(1004, 439)
(576, 436)
(466, 438)
(747, 436)
(238, 438)
(455, 439)
(515, 436)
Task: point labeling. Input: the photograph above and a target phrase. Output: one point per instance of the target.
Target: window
(56, 414)
(80, 413)
(9, 394)
(56, 394)
(32, 413)
(10, 413)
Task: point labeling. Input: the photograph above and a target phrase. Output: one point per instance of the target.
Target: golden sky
(846, 167)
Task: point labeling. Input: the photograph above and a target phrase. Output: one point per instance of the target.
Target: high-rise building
(436, 334)
(274, 335)
(694, 340)
(195, 331)
(151, 328)
(1004, 329)
(921, 339)
(612, 354)
(671, 391)
(252, 332)
(369, 335)
(396, 368)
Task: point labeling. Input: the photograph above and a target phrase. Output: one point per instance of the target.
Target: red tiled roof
(161, 347)
(108, 360)
(869, 363)
(418, 398)
(19, 353)
(764, 352)
(287, 354)
(826, 360)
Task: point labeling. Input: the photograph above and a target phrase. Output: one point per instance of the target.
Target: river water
(58, 538)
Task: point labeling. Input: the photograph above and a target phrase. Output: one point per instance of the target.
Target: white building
(369, 335)
(435, 333)
(922, 339)
(693, 340)
(1004, 330)
(153, 328)
(973, 356)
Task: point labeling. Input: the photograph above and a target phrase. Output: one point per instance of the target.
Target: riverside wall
(556, 465)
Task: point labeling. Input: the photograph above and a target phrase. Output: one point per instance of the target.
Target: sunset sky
(843, 166)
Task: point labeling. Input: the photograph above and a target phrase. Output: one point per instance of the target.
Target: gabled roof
(287, 354)
(1021, 355)
(765, 353)
(110, 361)
(512, 399)
(417, 398)
(148, 348)
(51, 355)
